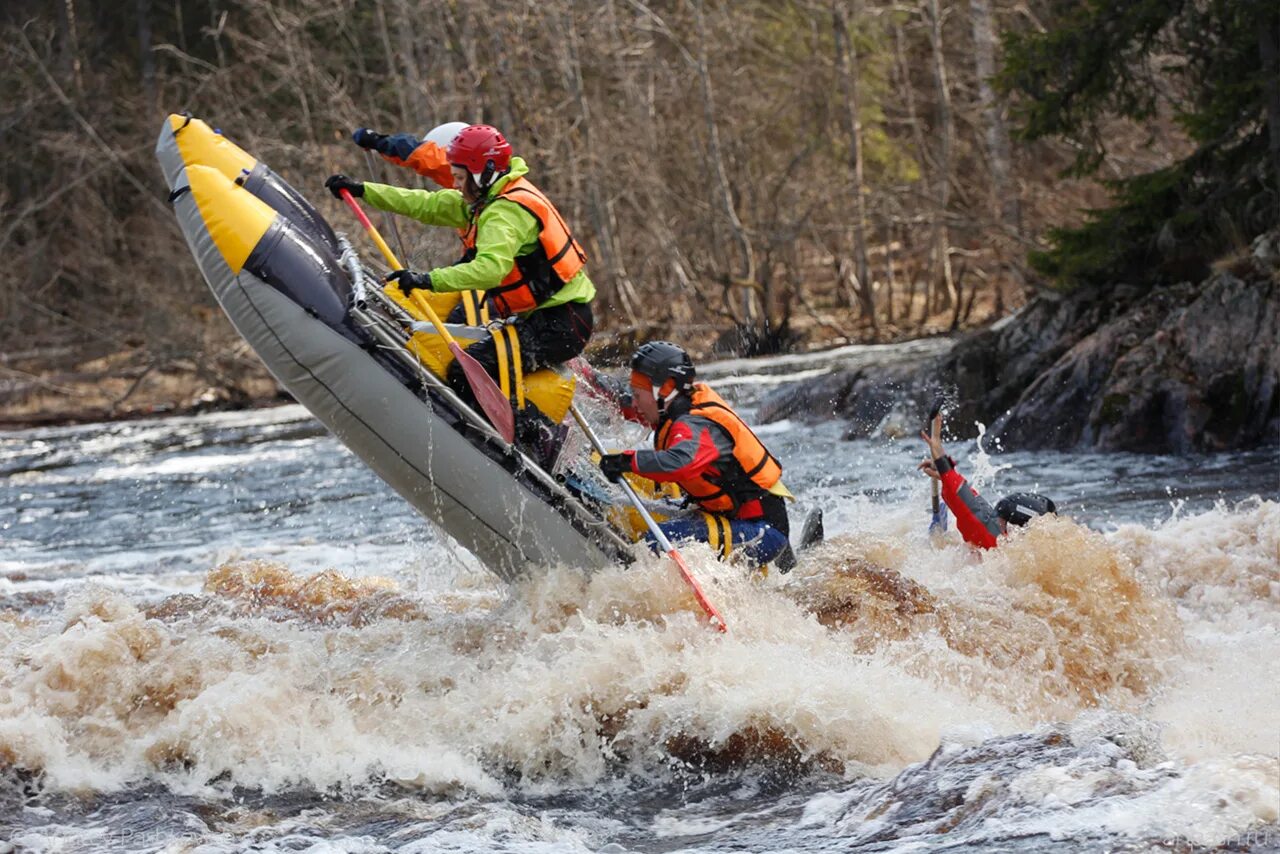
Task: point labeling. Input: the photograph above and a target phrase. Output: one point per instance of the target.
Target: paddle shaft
(373, 232)
(935, 430)
(488, 395)
(710, 610)
(396, 265)
(387, 220)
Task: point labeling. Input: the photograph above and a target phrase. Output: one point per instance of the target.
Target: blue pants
(755, 538)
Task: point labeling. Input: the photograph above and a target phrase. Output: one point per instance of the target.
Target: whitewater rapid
(226, 616)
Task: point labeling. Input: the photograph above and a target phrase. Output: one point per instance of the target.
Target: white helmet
(443, 134)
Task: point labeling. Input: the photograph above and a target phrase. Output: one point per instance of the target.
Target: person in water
(706, 449)
(517, 249)
(979, 523)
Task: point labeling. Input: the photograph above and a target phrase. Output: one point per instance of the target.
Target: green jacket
(504, 231)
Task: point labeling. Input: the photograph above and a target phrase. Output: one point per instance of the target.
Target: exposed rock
(811, 401)
(1170, 370)
(867, 397)
(1187, 369)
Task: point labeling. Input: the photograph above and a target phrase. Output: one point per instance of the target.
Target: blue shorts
(759, 541)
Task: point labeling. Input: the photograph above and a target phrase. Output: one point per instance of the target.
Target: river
(222, 632)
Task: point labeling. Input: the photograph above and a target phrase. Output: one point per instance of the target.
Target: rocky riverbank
(1173, 370)
(43, 388)
(1195, 367)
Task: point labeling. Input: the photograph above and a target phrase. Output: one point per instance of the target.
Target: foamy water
(222, 632)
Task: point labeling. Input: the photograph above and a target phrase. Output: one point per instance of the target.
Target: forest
(747, 177)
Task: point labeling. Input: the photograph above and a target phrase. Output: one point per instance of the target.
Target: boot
(539, 438)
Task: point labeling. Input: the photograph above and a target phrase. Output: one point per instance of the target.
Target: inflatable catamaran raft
(359, 361)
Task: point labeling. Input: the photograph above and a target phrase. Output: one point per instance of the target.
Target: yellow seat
(546, 389)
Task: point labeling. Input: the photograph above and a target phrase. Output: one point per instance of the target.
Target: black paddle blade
(813, 532)
(936, 408)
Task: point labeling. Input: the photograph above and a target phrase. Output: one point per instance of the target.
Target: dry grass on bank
(70, 385)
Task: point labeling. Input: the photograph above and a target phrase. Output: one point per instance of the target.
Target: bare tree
(1004, 195)
(847, 65)
(945, 133)
(747, 272)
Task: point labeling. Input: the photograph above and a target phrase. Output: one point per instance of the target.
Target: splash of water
(272, 680)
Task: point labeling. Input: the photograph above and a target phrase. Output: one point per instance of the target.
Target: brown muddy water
(222, 633)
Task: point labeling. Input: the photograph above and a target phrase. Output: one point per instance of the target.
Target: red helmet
(481, 150)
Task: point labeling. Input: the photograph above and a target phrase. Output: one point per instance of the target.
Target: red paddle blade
(713, 616)
(488, 395)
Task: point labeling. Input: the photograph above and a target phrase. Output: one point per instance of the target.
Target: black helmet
(1021, 507)
(661, 361)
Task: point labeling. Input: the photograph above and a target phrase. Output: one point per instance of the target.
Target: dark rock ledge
(1171, 370)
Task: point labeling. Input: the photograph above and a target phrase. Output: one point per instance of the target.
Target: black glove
(366, 138)
(337, 183)
(615, 465)
(410, 281)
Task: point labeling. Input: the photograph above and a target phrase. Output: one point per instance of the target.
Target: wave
(861, 662)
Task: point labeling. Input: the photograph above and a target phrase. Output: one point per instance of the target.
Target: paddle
(713, 616)
(484, 387)
(938, 523)
(387, 219)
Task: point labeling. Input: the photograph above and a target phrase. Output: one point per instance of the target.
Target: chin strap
(664, 405)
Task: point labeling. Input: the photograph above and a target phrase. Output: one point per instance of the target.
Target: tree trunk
(613, 273)
(384, 32)
(959, 298)
(847, 68)
(217, 22)
(890, 277)
(912, 274)
(72, 65)
(747, 271)
(417, 121)
(1268, 40)
(146, 61)
(1006, 203)
(946, 132)
(926, 171)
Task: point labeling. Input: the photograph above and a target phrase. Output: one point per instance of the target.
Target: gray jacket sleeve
(689, 457)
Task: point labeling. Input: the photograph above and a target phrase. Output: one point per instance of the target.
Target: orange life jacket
(428, 160)
(749, 475)
(535, 277)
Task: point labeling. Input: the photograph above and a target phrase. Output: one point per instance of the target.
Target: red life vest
(534, 278)
(751, 472)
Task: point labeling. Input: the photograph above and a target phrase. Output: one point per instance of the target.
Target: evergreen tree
(1215, 63)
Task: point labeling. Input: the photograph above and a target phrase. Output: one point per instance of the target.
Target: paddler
(706, 449)
(517, 249)
(979, 523)
(427, 156)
